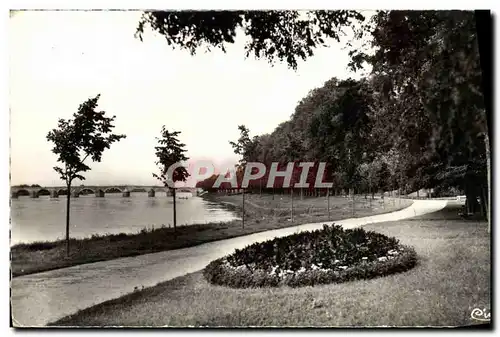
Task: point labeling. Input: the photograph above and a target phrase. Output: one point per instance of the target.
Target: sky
(58, 59)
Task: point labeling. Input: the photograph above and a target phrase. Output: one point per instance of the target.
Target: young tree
(170, 151)
(88, 134)
(245, 146)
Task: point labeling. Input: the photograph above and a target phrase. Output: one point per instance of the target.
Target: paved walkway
(41, 298)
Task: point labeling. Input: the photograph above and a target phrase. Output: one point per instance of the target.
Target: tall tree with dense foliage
(170, 151)
(340, 129)
(432, 92)
(87, 135)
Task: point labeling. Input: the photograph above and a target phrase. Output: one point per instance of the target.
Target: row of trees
(416, 121)
(89, 133)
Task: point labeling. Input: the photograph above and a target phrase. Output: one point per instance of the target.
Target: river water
(44, 218)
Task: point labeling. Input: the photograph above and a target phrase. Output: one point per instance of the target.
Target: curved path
(41, 298)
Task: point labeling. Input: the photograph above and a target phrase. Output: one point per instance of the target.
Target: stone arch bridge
(98, 191)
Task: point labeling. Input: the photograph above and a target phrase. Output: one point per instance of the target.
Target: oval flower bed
(329, 255)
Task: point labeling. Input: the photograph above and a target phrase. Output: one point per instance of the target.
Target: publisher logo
(480, 314)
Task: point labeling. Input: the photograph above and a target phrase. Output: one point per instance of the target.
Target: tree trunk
(468, 203)
(175, 211)
(328, 202)
(471, 197)
(67, 217)
(291, 193)
(482, 198)
(243, 212)
(351, 191)
(488, 172)
(483, 29)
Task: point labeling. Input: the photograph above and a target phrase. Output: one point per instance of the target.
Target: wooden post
(291, 193)
(370, 190)
(175, 211)
(328, 202)
(67, 217)
(353, 202)
(243, 216)
(482, 203)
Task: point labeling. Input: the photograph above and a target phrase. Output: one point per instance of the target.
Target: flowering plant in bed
(329, 255)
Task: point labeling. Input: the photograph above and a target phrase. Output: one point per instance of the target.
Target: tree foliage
(170, 151)
(430, 62)
(428, 75)
(286, 36)
(245, 146)
(87, 135)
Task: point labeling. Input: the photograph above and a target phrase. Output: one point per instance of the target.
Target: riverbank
(261, 213)
(452, 278)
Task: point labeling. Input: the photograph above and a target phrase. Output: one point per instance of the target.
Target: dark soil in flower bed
(330, 255)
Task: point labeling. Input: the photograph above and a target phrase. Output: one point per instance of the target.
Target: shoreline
(117, 228)
(50, 255)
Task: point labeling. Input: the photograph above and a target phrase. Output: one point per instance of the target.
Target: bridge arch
(138, 189)
(22, 192)
(43, 191)
(62, 191)
(113, 190)
(86, 190)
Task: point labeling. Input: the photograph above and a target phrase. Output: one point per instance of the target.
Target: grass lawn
(43, 256)
(451, 279)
